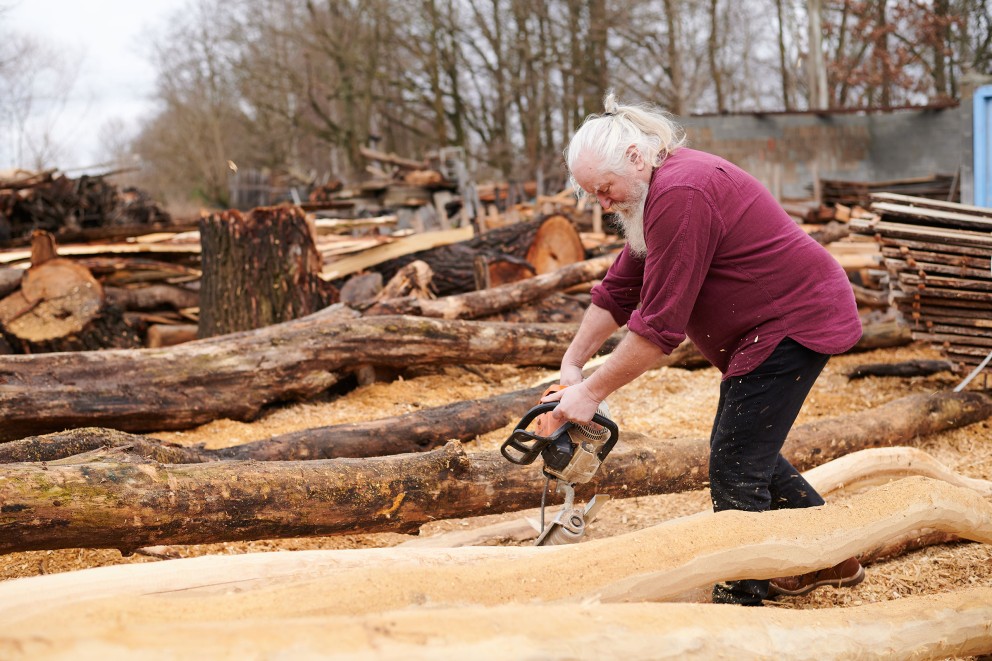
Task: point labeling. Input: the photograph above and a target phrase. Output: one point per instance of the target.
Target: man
(710, 255)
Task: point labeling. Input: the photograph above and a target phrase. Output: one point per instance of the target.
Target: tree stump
(258, 270)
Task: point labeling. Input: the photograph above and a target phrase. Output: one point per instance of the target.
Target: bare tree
(35, 85)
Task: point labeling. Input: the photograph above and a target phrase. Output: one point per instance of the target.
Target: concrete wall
(789, 152)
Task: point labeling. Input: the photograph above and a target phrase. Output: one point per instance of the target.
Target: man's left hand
(575, 404)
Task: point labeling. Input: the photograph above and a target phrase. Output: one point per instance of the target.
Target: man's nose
(604, 201)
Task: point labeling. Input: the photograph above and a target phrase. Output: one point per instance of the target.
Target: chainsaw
(572, 454)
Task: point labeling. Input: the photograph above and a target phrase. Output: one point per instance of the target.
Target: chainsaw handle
(530, 445)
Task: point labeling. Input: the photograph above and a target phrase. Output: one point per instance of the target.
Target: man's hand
(570, 375)
(575, 404)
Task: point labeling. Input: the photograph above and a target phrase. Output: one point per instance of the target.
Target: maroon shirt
(728, 267)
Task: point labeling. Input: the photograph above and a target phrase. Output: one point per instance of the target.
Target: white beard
(631, 216)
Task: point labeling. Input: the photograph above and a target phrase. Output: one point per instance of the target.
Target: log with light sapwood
(235, 376)
(496, 299)
(914, 628)
(547, 243)
(259, 269)
(116, 500)
(499, 602)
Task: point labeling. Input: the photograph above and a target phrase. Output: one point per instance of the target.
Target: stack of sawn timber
(938, 257)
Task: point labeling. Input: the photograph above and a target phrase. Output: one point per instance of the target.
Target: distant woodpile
(69, 207)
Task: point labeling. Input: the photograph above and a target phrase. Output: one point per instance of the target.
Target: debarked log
(114, 502)
(494, 602)
(953, 625)
(236, 375)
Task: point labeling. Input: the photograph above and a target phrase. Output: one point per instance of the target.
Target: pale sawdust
(665, 403)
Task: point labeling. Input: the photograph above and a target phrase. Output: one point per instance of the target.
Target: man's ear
(635, 157)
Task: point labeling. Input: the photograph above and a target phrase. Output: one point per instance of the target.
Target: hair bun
(610, 104)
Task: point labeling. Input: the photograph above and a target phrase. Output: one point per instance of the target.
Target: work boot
(844, 575)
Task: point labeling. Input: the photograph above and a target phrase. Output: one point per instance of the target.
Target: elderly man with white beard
(712, 256)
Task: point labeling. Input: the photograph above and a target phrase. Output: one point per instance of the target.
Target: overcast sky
(109, 39)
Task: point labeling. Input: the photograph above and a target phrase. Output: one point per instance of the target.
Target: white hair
(607, 137)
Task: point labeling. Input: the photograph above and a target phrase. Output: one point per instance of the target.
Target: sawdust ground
(663, 403)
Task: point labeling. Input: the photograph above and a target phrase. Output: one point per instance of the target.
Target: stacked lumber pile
(938, 258)
(851, 193)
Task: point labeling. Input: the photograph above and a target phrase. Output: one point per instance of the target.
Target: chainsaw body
(572, 454)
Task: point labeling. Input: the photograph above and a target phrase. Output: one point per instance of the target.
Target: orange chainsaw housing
(546, 424)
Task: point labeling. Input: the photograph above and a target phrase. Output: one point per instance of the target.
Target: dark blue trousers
(747, 470)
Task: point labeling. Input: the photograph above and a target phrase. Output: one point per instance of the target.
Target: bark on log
(152, 297)
(169, 335)
(552, 309)
(883, 334)
(412, 432)
(372, 602)
(496, 299)
(258, 270)
(905, 368)
(131, 504)
(857, 470)
(236, 375)
(454, 264)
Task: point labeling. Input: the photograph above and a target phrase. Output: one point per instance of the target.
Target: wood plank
(933, 216)
(909, 256)
(930, 269)
(14, 256)
(404, 246)
(898, 198)
(960, 285)
(920, 232)
(942, 247)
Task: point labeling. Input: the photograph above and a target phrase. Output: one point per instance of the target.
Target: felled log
(858, 470)
(496, 299)
(152, 297)
(904, 369)
(235, 376)
(259, 269)
(498, 602)
(412, 432)
(952, 626)
(169, 335)
(547, 243)
(113, 501)
(555, 308)
(883, 334)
